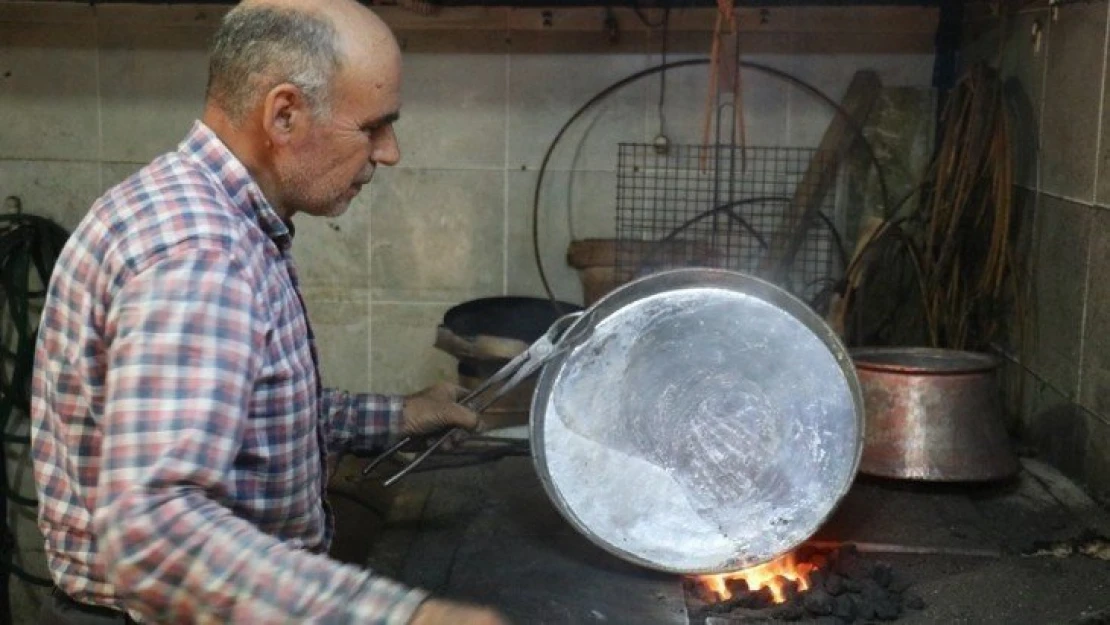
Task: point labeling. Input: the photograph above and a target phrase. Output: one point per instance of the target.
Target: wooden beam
(839, 138)
(780, 30)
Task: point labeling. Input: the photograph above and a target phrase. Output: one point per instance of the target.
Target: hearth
(1014, 553)
(812, 584)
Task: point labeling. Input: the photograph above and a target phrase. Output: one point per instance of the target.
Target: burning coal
(776, 576)
(839, 586)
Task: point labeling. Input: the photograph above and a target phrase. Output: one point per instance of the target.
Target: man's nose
(386, 150)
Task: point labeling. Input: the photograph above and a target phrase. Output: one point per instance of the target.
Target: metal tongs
(555, 341)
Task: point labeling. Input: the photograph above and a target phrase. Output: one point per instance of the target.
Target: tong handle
(399, 445)
(415, 461)
(389, 453)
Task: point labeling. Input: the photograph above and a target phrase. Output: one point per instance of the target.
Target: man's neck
(246, 144)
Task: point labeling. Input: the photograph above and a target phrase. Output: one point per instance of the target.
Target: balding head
(304, 93)
(263, 43)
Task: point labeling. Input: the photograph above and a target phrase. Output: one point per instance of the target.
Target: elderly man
(179, 427)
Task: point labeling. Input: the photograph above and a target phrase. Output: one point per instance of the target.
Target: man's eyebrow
(384, 120)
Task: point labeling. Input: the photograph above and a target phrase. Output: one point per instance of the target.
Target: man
(179, 427)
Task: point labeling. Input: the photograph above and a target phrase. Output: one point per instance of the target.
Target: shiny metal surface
(932, 414)
(709, 423)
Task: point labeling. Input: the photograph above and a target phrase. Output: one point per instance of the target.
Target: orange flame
(772, 575)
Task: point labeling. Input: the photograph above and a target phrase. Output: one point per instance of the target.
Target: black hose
(854, 126)
(837, 239)
(28, 244)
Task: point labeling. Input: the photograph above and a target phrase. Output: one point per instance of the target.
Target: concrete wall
(1056, 63)
(89, 94)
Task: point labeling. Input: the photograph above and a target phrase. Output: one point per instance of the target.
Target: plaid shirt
(179, 428)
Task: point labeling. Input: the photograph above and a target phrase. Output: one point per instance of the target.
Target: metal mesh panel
(725, 206)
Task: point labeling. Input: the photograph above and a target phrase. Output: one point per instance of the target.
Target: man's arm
(369, 422)
(362, 421)
(186, 339)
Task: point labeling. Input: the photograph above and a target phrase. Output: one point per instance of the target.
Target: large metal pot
(708, 423)
(933, 414)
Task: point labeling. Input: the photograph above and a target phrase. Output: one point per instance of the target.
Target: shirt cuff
(382, 415)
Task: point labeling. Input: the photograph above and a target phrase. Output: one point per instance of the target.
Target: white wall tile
(335, 252)
(62, 191)
(341, 321)
(542, 97)
(437, 234)
(112, 174)
(404, 359)
(152, 82)
(453, 104)
(573, 206)
(1072, 101)
(48, 97)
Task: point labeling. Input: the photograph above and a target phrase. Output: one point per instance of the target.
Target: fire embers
(831, 587)
(1090, 544)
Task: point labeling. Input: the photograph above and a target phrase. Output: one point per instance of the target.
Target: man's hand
(439, 612)
(434, 408)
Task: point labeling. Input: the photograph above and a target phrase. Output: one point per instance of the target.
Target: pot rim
(923, 360)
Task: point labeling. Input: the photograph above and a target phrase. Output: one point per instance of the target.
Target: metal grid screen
(724, 206)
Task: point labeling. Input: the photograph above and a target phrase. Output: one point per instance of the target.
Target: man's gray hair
(257, 48)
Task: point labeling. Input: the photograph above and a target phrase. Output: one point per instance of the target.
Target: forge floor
(489, 534)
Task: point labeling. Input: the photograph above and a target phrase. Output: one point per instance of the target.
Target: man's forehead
(369, 97)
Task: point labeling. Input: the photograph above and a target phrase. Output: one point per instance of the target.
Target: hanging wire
(663, 75)
(853, 126)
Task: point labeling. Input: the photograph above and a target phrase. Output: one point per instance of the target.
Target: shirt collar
(204, 147)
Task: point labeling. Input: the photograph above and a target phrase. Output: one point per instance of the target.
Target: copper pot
(932, 414)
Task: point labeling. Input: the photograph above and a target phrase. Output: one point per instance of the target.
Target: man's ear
(284, 113)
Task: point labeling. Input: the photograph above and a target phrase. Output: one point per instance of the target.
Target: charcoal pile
(845, 587)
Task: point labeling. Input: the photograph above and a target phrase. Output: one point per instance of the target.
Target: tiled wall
(1056, 62)
(89, 94)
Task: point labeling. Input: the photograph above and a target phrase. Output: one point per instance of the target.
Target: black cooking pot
(521, 318)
